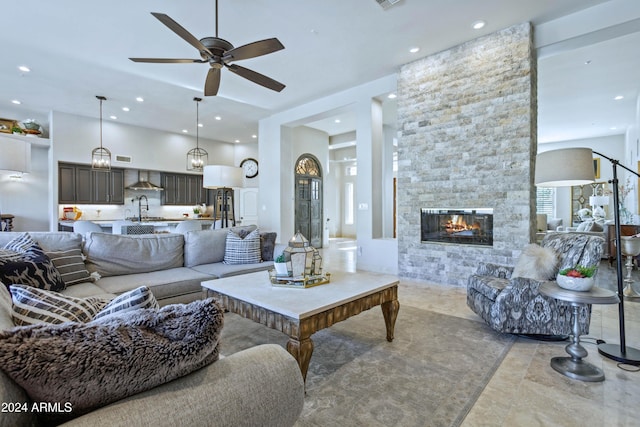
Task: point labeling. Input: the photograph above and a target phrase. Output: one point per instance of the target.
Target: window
(348, 203)
(545, 201)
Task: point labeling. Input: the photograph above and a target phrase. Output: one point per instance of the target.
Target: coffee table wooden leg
(390, 312)
(301, 350)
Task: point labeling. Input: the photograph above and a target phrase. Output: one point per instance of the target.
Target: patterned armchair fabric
(514, 305)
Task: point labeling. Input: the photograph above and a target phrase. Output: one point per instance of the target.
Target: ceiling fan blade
(258, 78)
(212, 83)
(254, 49)
(179, 30)
(167, 60)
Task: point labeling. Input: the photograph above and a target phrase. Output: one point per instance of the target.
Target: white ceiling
(77, 49)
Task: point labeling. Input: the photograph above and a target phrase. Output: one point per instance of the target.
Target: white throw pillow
(536, 262)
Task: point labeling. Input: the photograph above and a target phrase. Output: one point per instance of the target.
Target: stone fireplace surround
(467, 137)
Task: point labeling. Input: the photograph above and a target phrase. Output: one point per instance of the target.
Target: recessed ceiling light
(337, 120)
(414, 50)
(15, 101)
(392, 96)
(140, 99)
(24, 68)
(199, 125)
(618, 98)
(237, 140)
(254, 136)
(125, 108)
(185, 131)
(613, 128)
(476, 25)
(113, 117)
(218, 118)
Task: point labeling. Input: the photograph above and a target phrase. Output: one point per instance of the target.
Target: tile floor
(525, 390)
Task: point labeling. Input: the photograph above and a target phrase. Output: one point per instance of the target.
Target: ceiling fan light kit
(101, 156)
(219, 53)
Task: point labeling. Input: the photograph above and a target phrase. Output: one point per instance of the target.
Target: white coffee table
(299, 313)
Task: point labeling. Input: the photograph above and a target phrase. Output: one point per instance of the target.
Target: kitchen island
(160, 225)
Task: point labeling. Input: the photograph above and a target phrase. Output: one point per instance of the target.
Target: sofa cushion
(536, 262)
(242, 250)
(489, 286)
(34, 306)
(135, 299)
(23, 261)
(117, 254)
(48, 240)
(204, 247)
(70, 265)
(163, 284)
(114, 357)
(220, 269)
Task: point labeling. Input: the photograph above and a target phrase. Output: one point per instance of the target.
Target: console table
(575, 367)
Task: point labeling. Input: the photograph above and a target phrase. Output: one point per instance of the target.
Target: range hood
(144, 183)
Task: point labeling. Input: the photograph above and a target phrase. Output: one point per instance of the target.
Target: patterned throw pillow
(135, 299)
(70, 265)
(23, 262)
(91, 365)
(240, 250)
(32, 306)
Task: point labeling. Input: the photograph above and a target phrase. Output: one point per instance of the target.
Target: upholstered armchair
(514, 305)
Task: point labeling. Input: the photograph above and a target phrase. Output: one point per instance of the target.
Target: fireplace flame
(457, 223)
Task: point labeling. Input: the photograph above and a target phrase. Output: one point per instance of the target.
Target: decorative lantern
(301, 258)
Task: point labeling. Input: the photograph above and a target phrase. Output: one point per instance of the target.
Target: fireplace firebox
(459, 226)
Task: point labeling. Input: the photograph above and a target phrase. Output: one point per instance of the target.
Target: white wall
(276, 186)
(611, 146)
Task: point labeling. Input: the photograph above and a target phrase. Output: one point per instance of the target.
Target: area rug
(430, 375)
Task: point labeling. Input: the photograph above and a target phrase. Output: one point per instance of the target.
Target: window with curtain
(545, 201)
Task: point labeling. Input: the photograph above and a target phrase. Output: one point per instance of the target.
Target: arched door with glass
(308, 203)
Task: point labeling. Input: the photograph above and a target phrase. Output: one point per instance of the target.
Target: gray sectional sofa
(258, 386)
(171, 265)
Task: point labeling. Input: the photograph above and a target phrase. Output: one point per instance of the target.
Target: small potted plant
(196, 211)
(17, 130)
(280, 265)
(577, 278)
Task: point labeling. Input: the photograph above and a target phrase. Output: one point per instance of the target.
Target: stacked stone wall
(467, 139)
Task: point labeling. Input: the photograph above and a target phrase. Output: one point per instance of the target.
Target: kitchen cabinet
(182, 189)
(78, 184)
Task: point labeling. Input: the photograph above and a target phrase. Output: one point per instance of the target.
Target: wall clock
(250, 167)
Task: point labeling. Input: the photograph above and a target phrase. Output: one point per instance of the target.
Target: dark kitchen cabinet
(182, 189)
(78, 184)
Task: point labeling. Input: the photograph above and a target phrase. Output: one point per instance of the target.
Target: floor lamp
(222, 179)
(574, 166)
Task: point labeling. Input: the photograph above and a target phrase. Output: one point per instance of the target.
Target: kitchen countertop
(157, 223)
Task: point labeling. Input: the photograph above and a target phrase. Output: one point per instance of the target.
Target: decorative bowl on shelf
(581, 284)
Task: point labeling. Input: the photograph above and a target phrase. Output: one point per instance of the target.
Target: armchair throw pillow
(93, 364)
(536, 262)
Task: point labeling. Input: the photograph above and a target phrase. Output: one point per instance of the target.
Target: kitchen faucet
(140, 206)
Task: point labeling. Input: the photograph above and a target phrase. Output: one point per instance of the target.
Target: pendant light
(100, 156)
(197, 158)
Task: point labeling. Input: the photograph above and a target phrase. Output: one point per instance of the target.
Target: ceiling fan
(219, 53)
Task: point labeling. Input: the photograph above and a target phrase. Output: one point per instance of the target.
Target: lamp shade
(15, 157)
(598, 200)
(218, 176)
(565, 167)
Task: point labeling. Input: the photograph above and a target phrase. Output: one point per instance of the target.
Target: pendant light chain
(100, 156)
(197, 158)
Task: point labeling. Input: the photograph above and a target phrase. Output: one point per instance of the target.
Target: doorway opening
(308, 199)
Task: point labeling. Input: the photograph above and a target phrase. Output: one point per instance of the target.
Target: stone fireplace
(467, 137)
(457, 226)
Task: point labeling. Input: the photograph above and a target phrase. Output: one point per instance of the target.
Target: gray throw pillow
(267, 245)
(90, 365)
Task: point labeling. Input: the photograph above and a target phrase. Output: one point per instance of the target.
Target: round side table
(574, 367)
